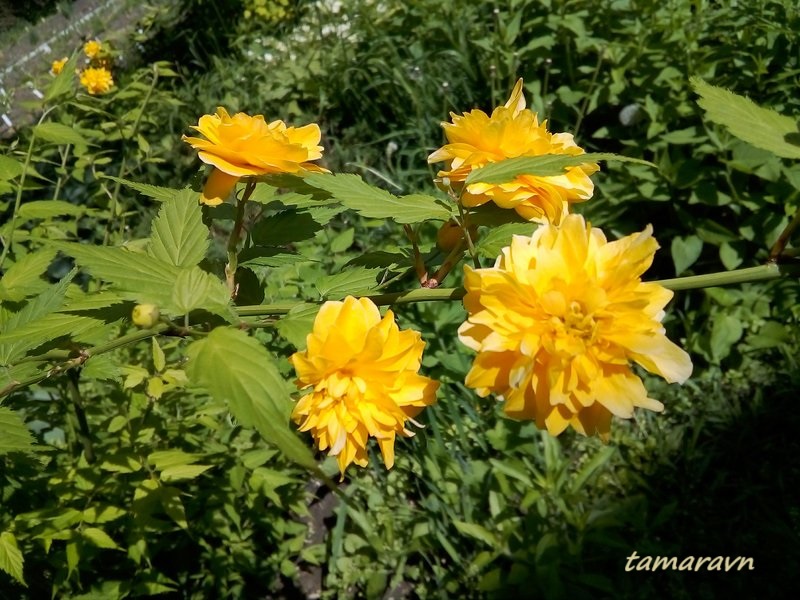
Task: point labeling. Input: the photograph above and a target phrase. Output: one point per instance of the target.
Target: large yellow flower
(362, 371)
(477, 139)
(96, 81)
(92, 48)
(241, 146)
(557, 322)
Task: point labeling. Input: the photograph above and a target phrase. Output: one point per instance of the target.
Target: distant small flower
(97, 81)
(92, 48)
(558, 321)
(361, 372)
(242, 146)
(58, 65)
(477, 139)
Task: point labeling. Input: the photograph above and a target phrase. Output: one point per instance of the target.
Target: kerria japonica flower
(96, 81)
(476, 139)
(362, 375)
(58, 65)
(92, 48)
(243, 146)
(557, 322)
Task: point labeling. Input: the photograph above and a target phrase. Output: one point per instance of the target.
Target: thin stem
(451, 261)
(780, 244)
(60, 180)
(124, 161)
(585, 104)
(8, 242)
(233, 240)
(84, 433)
(419, 264)
(467, 237)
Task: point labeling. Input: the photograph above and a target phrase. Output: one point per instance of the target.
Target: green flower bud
(145, 315)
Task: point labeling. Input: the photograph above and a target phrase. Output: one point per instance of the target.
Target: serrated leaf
(285, 228)
(59, 133)
(11, 560)
(369, 201)
(499, 237)
(178, 235)
(236, 369)
(10, 168)
(171, 503)
(23, 278)
(159, 362)
(14, 435)
(47, 209)
(155, 192)
(261, 256)
(15, 344)
(195, 289)
(297, 324)
(545, 165)
(350, 282)
(99, 538)
(761, 127)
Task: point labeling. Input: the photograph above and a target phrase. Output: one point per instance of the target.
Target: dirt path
(28, 60)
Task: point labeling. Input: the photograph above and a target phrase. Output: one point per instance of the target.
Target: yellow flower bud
(145, 315)
(450, 234)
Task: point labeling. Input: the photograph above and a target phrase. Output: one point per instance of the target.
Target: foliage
(161, 460)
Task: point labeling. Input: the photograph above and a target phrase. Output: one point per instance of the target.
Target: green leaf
(14, 435)
(545, 165)
(59, 133)
(163, 459)
(99, 538)
(499, 237)
(63, 82)
(24, 277)
(178, 235)
(195, 289)
(761, 127)
(155, 192)
(235, 368)
(685, 252)
(725, 332)
(297, 324)
(285, 228)
(263, 256)
(183, 472)
(350, 282)
(47, 209)
(31, 335)
(369, 201)
(10, 557)
(596, 462)
(10, 168)
(477, 532)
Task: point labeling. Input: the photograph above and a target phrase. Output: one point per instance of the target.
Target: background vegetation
(477, 505)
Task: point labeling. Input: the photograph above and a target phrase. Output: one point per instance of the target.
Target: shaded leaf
(14, 435)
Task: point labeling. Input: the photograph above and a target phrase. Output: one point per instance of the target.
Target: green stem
(465, 229)
(233, 240)
(123, 162)
(10, 240)
(780, 244)
(60, 180)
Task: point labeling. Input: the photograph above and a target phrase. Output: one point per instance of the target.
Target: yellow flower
(241, 146)
(362, 371)
(96, 81)
(477, 139)
(92, 48)
(557, 322)
(58, 65)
